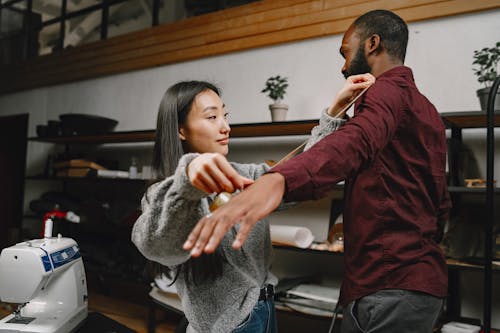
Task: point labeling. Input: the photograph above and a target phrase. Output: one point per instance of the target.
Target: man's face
(352, 49)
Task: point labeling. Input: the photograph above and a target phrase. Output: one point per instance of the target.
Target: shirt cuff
(298, 182)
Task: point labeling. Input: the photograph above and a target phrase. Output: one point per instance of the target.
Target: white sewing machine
(47, 278)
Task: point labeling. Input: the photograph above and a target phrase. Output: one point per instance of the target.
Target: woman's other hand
(353, 86)
(212, 173)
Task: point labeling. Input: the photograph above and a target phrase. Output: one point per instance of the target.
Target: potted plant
(487, 61)
(276, 90)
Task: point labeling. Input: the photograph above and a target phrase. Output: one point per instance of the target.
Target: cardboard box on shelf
(73, 172)
(78, 163)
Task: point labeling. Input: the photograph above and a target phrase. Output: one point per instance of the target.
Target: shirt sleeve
(445, 204)
(338, 156)
(170, 210)
(443, 212)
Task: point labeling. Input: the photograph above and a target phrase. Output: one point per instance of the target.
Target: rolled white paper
(290, 235)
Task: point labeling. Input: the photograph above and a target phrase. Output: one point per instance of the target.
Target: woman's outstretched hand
(246, 208)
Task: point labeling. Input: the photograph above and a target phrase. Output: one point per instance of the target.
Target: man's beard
(359, 64)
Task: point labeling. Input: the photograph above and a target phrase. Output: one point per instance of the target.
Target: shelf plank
(306, 250)
(470, 119)
(112, 137)
(93, 179)
(454, 263)
(298, 127)
(470, 190)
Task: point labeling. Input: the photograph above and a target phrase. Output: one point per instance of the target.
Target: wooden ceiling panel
(258, 24)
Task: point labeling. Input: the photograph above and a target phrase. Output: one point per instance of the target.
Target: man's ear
(372, 44)
(182, 134)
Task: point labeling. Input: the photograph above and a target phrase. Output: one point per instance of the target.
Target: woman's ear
(182, 134)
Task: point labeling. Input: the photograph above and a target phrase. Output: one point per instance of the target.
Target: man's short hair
(391, 28)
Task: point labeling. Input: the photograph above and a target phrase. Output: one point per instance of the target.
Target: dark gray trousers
(392, 310)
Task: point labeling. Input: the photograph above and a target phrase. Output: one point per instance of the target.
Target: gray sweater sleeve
(327, 125)
(170, 210)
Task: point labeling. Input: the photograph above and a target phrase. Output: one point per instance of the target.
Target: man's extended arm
(246, 208)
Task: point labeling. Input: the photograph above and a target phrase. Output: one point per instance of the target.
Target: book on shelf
(73, 172)
(78, 163)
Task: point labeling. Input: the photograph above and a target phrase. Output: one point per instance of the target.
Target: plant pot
(483, 99)
(278, 111)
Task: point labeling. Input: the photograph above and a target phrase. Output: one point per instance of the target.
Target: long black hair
(172, 114)
(168, 149)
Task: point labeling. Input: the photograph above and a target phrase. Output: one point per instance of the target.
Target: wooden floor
(131, 314)
(127, 313)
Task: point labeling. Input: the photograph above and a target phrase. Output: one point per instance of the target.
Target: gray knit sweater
(170, 210)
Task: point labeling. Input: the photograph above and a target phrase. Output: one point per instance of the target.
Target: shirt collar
(399, 71)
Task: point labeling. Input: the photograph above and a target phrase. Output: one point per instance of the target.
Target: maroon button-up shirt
(392, 154)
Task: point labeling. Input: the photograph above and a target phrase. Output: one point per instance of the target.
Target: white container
(146, 172)
(132, 171)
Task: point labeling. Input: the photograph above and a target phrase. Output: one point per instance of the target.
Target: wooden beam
(259, 24)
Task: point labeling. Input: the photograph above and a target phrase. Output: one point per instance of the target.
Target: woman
(227, 291)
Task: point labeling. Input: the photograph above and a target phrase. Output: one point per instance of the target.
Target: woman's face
(207, 128)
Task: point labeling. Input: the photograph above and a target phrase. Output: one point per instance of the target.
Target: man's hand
(212, 173)
(247, 208)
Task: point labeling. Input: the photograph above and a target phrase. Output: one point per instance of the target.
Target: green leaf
(487, 60)
(276, 87)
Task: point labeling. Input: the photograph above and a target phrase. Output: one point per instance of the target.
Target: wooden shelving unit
(456, 122)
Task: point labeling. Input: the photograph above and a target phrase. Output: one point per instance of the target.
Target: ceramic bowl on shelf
(42, 131)
(82, 124)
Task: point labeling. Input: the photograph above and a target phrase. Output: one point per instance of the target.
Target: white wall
(440, 53)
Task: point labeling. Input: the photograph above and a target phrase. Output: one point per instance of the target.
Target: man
(392, 156)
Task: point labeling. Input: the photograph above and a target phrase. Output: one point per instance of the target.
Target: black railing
(490, 203)
(192, 8)
(65, 15)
